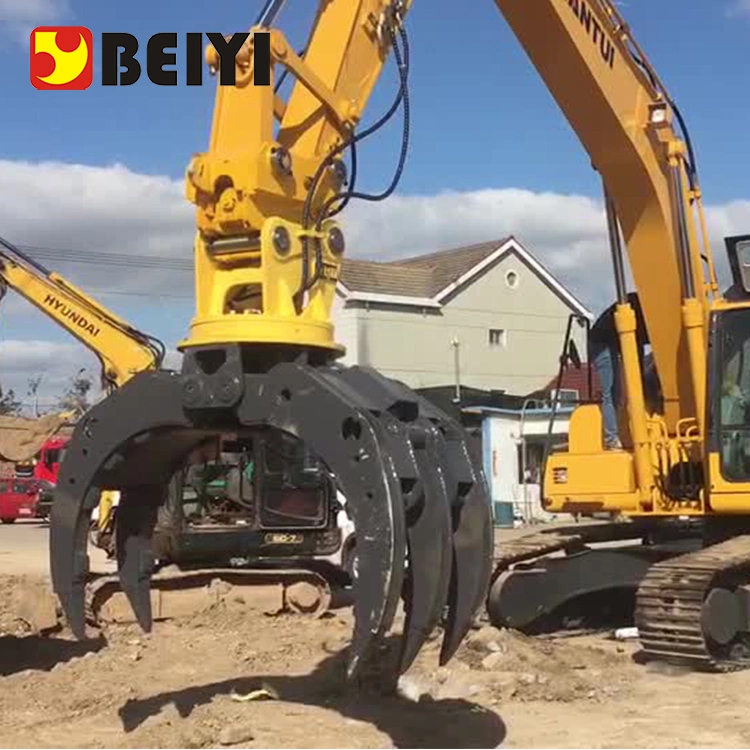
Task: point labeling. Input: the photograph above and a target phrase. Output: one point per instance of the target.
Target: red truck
(29, 493)
(24, 498)
(46, 464)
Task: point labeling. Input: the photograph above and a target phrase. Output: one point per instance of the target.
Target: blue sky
(485, 128)
(496, 123)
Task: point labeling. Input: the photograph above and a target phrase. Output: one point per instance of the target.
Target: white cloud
(567, 233)
(115, 210)
(19, 17)
(101, 209)
(739, 8)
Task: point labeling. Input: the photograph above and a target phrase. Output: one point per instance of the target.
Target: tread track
(670, 598)
(669, 605)
(567, 539)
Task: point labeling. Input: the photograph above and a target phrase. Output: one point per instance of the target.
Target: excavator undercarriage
(684, 584)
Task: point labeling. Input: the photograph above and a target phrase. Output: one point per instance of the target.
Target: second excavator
(258, 537)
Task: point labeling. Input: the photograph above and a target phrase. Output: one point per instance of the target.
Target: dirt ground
(183, 686)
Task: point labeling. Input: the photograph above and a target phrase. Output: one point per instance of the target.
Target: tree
(76, 396)
(9, 404)
(33, 388)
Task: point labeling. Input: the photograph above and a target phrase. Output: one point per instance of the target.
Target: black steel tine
(473, 535)
(97, 457)
(335, 419)
(472, 562)
(430, 551)
(136, 516)
(69, 560)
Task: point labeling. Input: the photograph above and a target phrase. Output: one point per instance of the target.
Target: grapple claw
(118, 434)
(402, 466)
(428, 520)
(472, 531)
(430, 555)
(335, 422)
(136, 518)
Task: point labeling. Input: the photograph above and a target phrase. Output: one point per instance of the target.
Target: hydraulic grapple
(418, 501)
(261, 350)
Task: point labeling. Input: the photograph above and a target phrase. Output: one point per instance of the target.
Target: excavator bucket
(418, 501)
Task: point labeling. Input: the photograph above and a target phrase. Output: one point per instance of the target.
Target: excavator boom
(122, 350)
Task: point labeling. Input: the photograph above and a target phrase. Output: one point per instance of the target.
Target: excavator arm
(122, 350)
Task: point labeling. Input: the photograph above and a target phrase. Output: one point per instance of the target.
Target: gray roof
(435, 276)
(418, 276)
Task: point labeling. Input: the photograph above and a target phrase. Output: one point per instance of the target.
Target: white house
(486, 316)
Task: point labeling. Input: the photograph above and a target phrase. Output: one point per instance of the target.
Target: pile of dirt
(231, 679)
(524, 668)
(11, 589)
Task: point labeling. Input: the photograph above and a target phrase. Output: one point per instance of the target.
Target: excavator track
(522, 590)
(670, 606)
(179, 593)
(567, 539)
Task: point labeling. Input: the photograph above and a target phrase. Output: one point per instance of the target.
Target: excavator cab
(261, 497)
(728, 429)
(738, 253)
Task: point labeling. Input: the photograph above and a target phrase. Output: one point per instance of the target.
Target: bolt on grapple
(418, 500)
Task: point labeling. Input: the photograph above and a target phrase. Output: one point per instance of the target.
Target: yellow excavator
(261, 351)
(122, 350)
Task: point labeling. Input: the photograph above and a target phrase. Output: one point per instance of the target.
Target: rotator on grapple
(261, 354)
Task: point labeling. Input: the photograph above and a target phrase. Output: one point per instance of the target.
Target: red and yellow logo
(62, 57)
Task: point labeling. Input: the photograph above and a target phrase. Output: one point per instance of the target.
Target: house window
(511, 279)
(567, 395)
(498, 337)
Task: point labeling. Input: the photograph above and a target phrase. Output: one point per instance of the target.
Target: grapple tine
(334, 420)
(472, 531)
(136, 517)
(69, 562)
(428, 505)
(472, 567)
(98, 457)
(429, 543)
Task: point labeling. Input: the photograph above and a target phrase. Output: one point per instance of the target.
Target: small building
(486, 316)
(513, 449)
(516, 436)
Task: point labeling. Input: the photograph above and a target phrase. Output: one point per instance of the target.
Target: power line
(161, 262)
(149, 295)
(85, 257)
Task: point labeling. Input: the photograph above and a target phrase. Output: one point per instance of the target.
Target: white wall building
(513, 443)
(487, 316)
